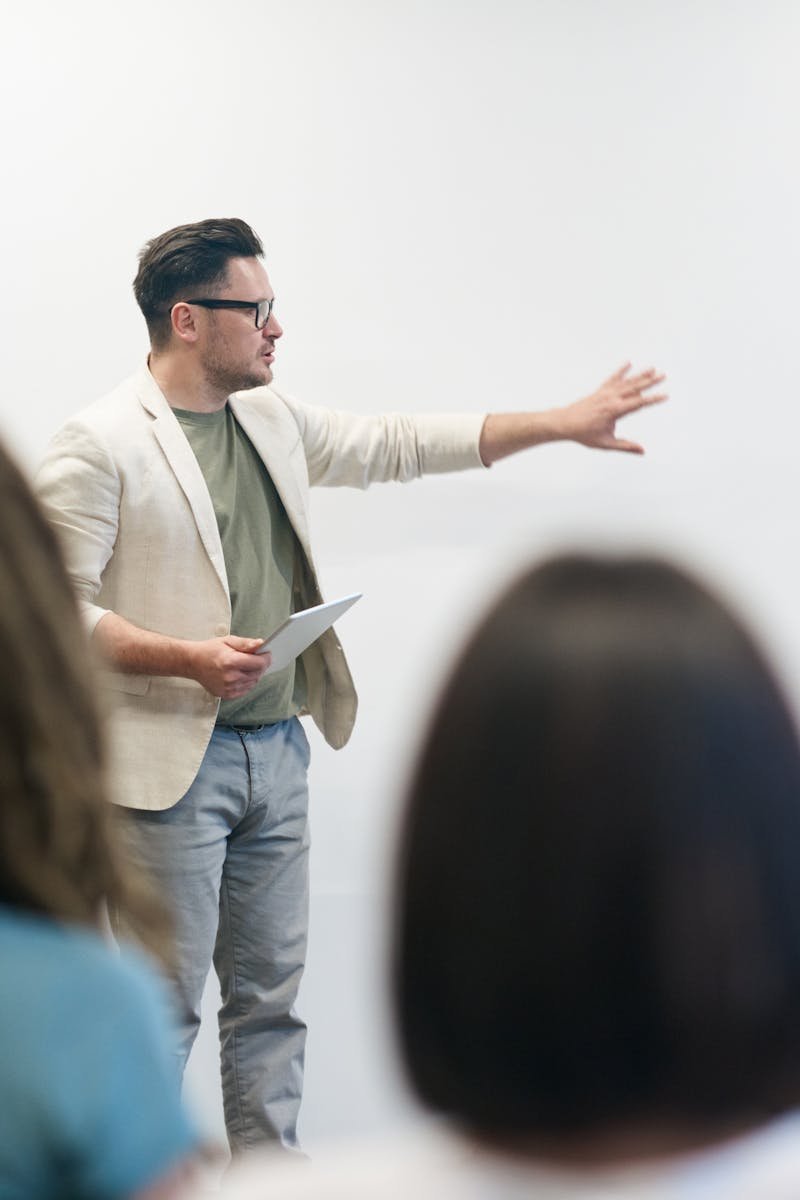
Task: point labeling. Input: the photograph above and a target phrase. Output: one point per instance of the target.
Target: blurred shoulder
(58, 961)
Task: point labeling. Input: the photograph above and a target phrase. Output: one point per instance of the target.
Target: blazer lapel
(264, 424)
(185, 467)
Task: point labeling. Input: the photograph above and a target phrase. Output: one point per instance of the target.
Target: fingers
(631, 404)
(249, 675)
(626, 447)
(245, 680)
(631, 388)
(632, 392)
(243, 668)
(659, 399)
(618, 375)
(640, 382)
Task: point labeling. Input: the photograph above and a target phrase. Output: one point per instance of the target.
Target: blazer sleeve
(345, 449)
(79, 488)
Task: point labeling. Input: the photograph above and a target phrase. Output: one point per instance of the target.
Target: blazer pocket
(134, 685)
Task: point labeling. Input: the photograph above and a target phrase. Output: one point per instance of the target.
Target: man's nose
(272, 329)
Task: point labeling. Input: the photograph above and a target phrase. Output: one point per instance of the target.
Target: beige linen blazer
(124, 490)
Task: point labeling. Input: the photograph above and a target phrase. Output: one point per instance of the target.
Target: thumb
(242, 644)
(628, 447)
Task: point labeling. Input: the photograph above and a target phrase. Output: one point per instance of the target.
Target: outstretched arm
(591, 421)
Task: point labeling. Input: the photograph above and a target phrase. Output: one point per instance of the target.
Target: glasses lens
(263, 313)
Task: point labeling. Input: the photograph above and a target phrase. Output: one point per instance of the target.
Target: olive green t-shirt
(258, 545)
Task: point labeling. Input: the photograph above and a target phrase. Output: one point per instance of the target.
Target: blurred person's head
(57, 852)
(598, 926)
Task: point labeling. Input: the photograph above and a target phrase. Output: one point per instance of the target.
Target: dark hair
(57, 852)
(186, 259)
(599, 876)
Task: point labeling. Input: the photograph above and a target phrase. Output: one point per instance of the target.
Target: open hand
(592, 421)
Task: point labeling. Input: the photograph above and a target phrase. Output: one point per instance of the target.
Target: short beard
(226, 378)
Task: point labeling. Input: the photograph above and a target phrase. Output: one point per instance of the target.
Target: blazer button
(221, 630)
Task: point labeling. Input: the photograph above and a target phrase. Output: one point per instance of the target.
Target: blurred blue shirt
(89, 1092)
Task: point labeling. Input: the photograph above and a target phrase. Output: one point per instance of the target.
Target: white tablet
(301, 629)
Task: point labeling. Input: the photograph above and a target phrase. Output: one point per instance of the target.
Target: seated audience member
(596, 955)
(89, 1103)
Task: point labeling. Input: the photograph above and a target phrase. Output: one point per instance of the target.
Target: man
(181, 499)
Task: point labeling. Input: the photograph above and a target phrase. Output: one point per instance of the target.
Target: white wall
(466, 206)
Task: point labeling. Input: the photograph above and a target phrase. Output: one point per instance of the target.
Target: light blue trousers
(231, 860)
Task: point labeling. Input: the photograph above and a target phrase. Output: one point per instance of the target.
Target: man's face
(236, 355)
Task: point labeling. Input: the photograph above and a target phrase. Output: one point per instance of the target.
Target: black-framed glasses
(263, 308)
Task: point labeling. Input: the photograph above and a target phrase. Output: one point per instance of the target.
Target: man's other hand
(228, 667)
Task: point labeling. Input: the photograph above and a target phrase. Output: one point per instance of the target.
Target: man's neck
(183, 386)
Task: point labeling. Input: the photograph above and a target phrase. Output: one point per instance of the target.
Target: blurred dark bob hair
(598, 915)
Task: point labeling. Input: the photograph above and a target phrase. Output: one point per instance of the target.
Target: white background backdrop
(465, 206)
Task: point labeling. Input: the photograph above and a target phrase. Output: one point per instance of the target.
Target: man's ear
(183, 322)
